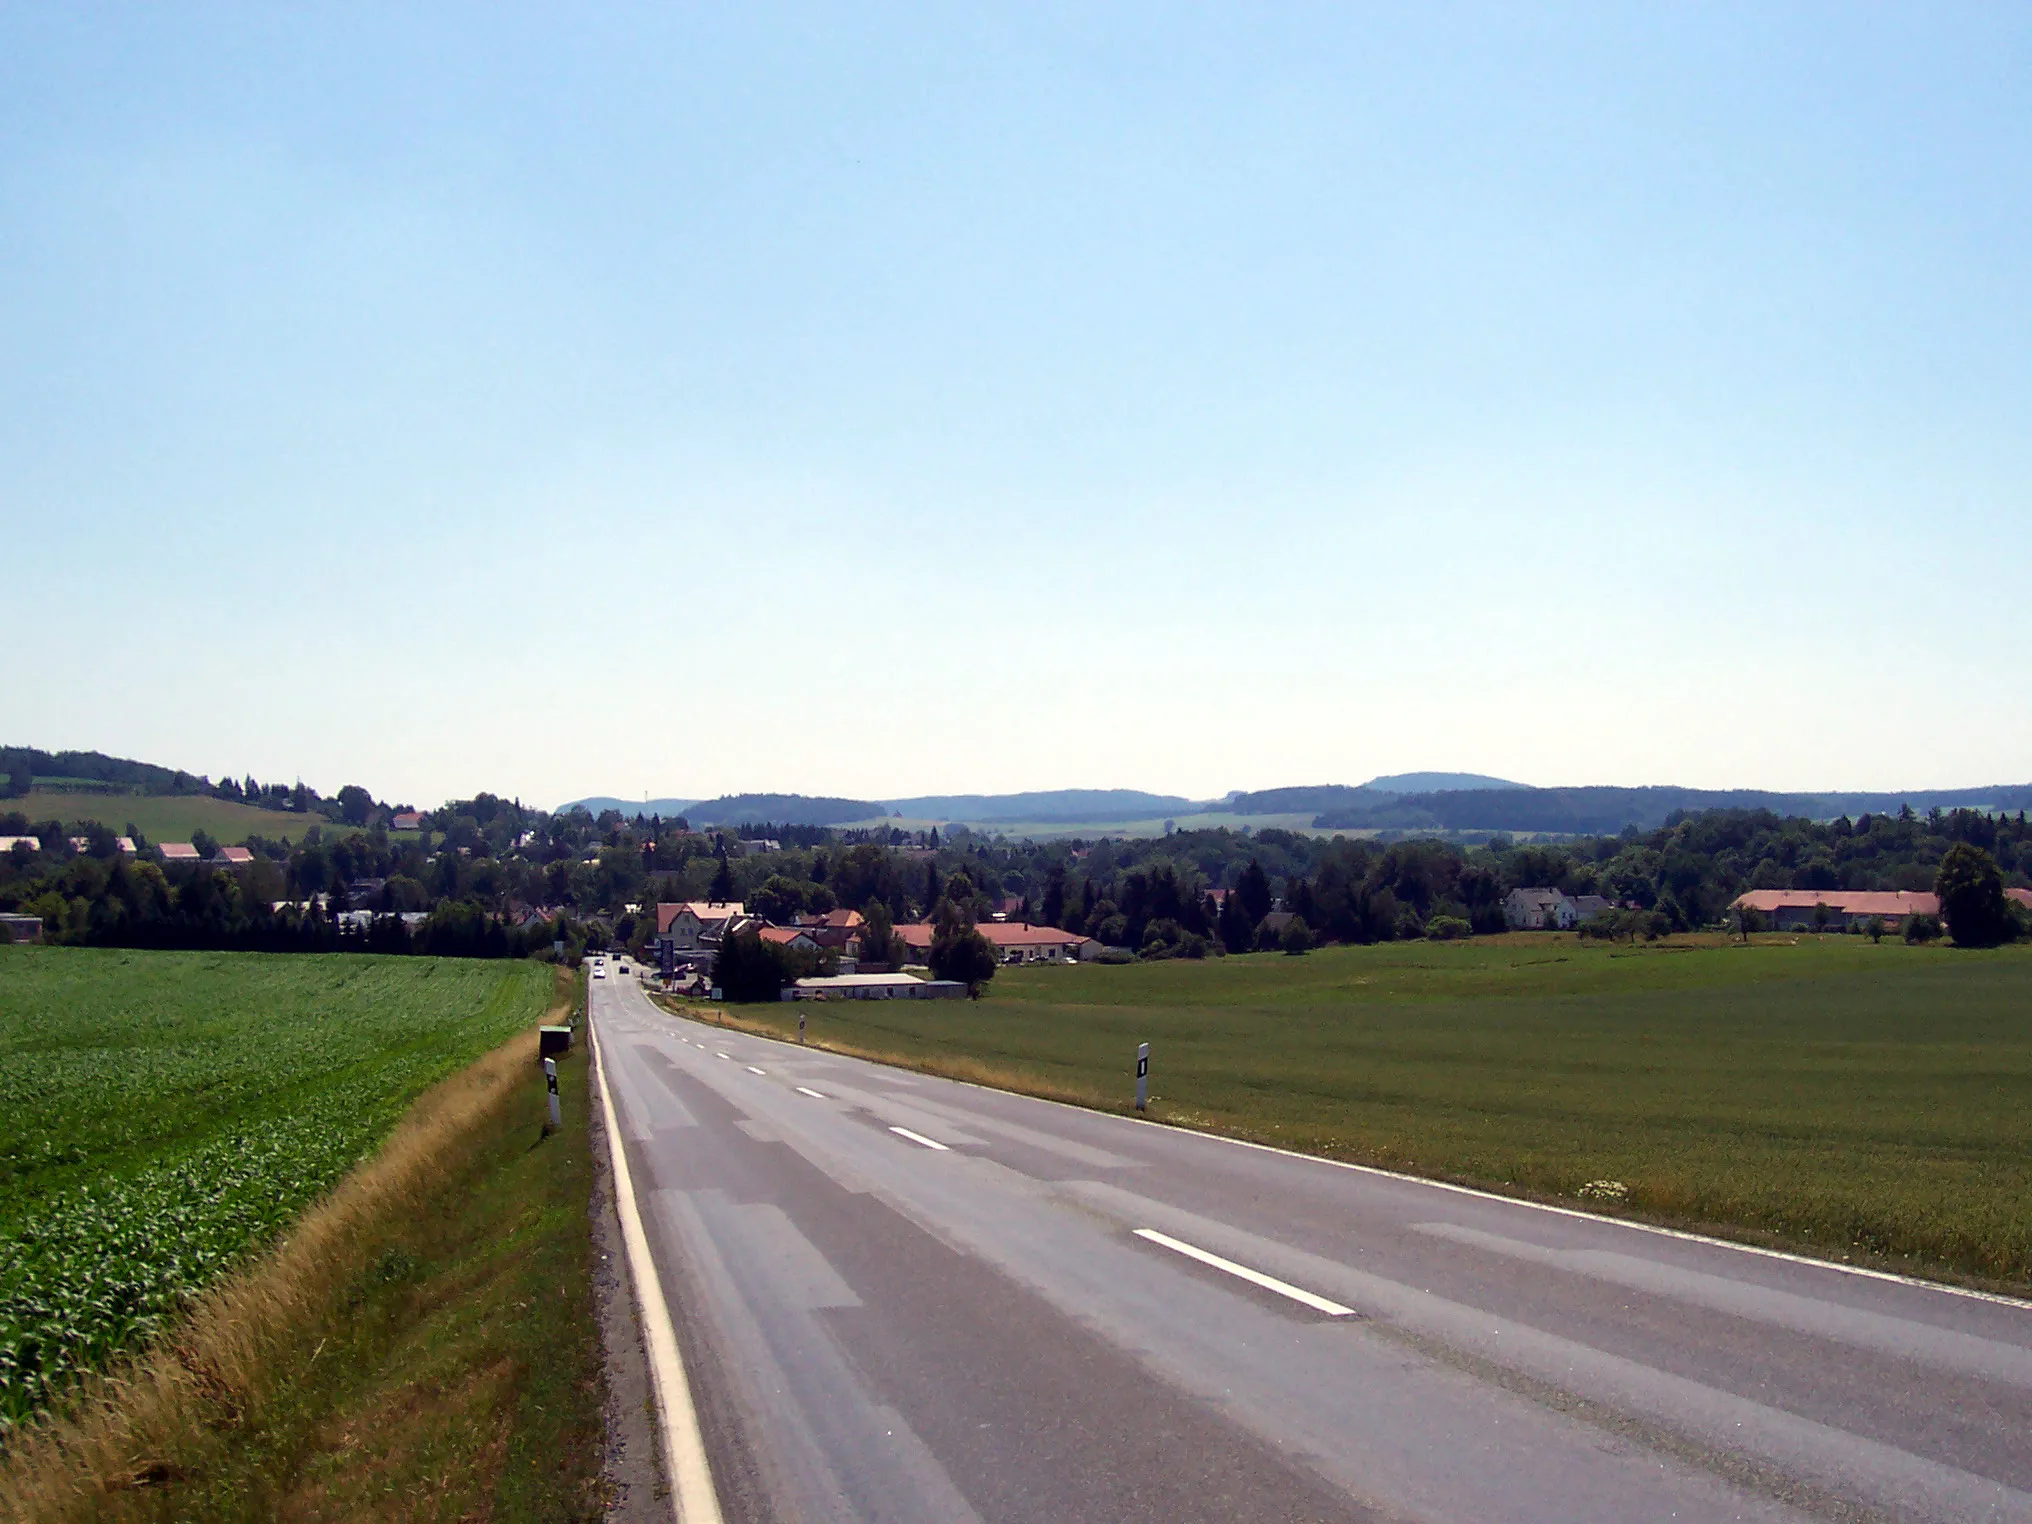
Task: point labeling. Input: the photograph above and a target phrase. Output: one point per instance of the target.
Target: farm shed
(1804, 909)
(875, 987)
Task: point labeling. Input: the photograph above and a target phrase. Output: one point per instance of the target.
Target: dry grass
(166, 1414)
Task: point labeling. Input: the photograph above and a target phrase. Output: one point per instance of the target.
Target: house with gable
(695, 925)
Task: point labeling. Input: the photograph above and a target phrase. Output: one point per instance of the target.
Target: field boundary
(1686, 1235)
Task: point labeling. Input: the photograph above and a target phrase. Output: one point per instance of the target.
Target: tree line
(1188, 894)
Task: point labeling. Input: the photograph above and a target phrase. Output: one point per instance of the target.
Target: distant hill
(1433, 783)
(85, 771)
(781, 809)
(1064, 806)
(1311, 799)
(598, 804)
(1397, 801)
(1604, 811)
(1340, 798)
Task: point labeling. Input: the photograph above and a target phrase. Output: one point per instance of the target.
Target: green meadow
(169, 817)
(1859, 1100)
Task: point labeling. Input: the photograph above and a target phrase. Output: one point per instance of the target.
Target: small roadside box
(552, 1040)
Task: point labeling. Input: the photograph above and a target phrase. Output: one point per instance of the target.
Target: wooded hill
(24, 765)
(1388, 804)
(1607, 811)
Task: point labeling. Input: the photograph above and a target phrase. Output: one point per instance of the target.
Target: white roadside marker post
(800, 1023)
(550, 1079)
(1143, 1076)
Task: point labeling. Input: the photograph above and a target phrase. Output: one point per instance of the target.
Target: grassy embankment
(1864, 1101)
(420, 1342)
(169, 817)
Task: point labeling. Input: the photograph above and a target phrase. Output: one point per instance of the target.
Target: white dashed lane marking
(1243, 1272)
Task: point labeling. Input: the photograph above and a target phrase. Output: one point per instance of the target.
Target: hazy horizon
(882, 403)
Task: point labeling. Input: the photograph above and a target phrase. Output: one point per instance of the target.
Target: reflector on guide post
(550, 1080)
(1142, 1076)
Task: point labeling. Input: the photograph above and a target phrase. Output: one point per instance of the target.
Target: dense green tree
(779, 900)
(960, 952)
(749, 969)
(879, 942)
(1052, 912)
(1233, 926)
(1972, 900)
(1253, 889)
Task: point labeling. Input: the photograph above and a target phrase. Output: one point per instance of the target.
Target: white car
(599, 973)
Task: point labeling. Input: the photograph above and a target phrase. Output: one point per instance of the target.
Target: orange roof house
(1013, 941)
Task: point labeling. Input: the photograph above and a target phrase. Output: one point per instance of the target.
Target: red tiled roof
(784, 935)
(2022, 896)
(177, 852)
(234, 855)
(999, 934)
(844, 920)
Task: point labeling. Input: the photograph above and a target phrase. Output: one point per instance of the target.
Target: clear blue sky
(880, 401)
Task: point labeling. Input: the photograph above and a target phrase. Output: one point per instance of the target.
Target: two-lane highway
(902, 1298)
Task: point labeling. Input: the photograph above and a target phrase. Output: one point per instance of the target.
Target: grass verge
(1858, 1102)
(421, 1345)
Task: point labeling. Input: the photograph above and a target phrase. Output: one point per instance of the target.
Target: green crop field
(162, 1112)
(1873, 1101)
(170, 817)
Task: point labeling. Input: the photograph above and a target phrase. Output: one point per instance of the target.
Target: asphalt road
(905, 1299)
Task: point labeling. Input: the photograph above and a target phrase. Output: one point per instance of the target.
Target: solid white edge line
(1862, 1271)
(1243, 1272)
(918, 1137)
(806, 1090)
(692, 1499)
(1682, 1234)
